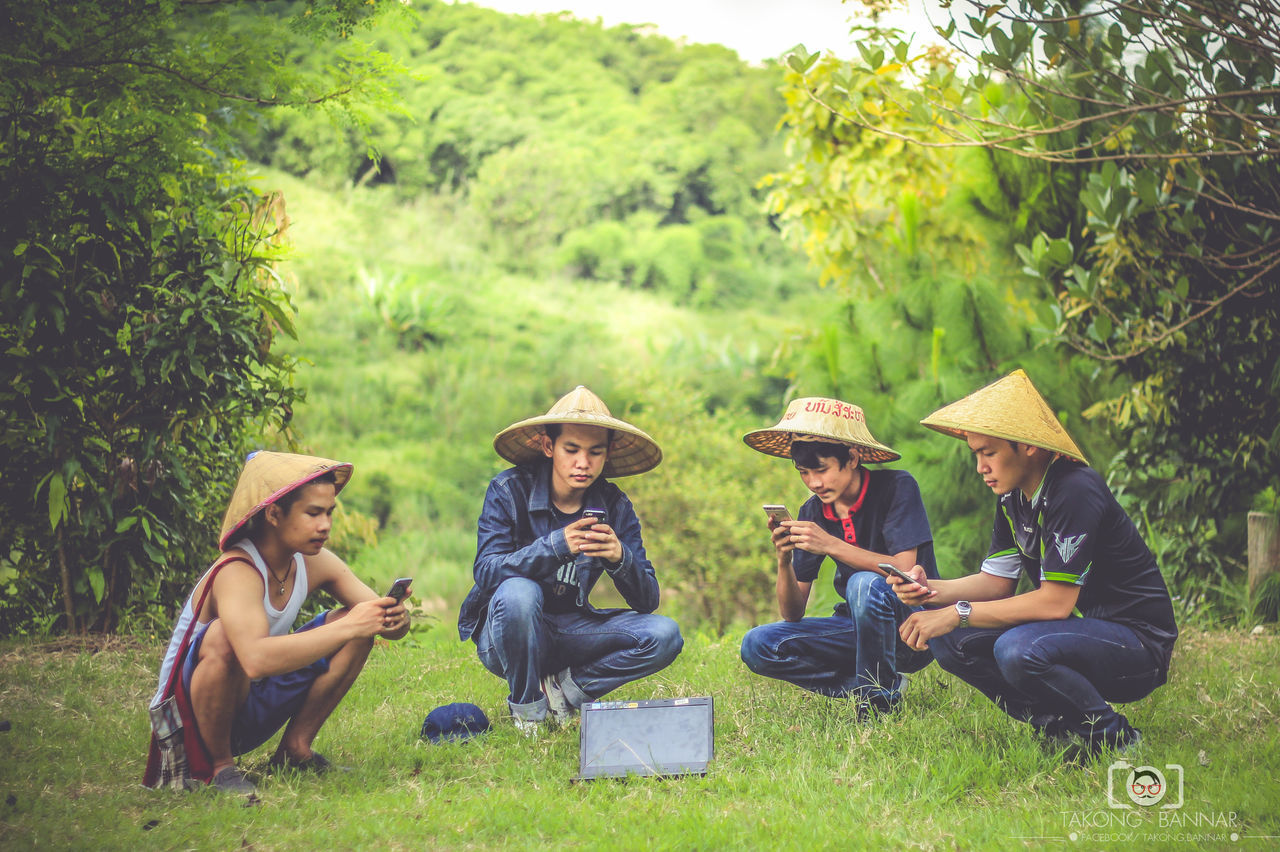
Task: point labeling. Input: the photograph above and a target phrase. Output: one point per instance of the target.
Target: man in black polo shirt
(1057, 521)
(860, 518)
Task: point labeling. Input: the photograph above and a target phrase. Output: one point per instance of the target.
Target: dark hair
(808, 453)
(553, 432)
(285, 501)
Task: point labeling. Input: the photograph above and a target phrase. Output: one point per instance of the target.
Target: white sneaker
(558, 706)
(528, 727)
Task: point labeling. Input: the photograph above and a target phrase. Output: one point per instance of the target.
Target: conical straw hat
(815, 417)
(1010, 408)
(269, 476)
(631, 451)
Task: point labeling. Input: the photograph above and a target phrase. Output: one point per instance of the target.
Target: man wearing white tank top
(245, 673)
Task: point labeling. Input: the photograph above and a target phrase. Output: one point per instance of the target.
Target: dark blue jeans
(857, 655)
(1058, 675)
(602, 651)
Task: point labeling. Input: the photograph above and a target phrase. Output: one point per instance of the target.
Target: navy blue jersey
(890, 520)
(1073, 531)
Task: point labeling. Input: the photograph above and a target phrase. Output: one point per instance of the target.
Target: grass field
(792, 770)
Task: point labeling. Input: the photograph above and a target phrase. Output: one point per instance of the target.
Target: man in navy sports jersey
(860, 518)
(1057, 521)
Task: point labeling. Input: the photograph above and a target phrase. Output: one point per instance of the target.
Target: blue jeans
(601, 651)
(1057, 675)
(858, 655)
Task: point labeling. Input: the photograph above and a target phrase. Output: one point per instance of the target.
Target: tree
(138, 295)
(1158, 124)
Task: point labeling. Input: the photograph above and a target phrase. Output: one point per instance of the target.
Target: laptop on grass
(665, 736)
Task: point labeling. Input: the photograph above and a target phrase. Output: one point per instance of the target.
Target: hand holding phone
(904, 576)
(777, 513)
(600, 516)
(400, 588)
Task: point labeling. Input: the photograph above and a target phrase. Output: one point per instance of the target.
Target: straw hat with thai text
(631, 450)
(269, 476)
(1010, 408)
(819, 419)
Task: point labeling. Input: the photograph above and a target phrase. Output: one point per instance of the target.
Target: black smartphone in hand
(600, 516)
(400, 588)
(904, 576)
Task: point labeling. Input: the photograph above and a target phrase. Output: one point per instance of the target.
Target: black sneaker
(232, 780)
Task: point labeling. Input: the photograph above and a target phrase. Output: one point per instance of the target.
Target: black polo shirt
(890, 519)
(1072, 530)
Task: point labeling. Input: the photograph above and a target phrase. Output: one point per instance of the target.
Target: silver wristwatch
(964, 608)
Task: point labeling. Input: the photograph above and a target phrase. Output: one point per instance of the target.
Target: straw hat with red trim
(1009, 408)
(269, 476)
(815, 418)
(631, 451)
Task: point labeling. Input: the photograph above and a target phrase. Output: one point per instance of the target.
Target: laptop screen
(668, 736)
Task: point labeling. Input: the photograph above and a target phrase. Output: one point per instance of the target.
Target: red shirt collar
(850, 535)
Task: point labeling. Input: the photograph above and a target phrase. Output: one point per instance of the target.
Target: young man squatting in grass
(1057, 521)
(859, 518)
(538, 556)
(245, 672)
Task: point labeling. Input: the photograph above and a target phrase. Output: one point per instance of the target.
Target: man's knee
(755, 649)
(662, 638)
(947, 653)
(1019, 657)
(217, 655)
(518, 598)
(867, 592)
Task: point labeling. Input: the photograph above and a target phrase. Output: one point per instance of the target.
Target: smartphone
(400, 588)
(776, 512)
(905, 577)
(599, 514)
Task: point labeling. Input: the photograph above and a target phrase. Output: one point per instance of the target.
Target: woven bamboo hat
(816, 418)
(269, 476)
(631, 450)
(1010, 408)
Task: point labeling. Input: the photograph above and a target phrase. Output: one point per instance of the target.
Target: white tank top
(278, 620)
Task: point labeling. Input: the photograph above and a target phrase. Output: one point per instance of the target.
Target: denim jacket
(519, 536)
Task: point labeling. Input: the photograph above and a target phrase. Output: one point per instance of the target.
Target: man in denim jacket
(550, 527)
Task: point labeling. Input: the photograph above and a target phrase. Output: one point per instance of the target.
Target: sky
(756, 29)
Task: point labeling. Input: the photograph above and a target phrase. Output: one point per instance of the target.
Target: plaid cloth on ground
(178, 758)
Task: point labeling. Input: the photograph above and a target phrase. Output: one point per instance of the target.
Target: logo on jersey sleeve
(1068, 546)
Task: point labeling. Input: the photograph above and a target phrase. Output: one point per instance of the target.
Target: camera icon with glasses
(1143, 786)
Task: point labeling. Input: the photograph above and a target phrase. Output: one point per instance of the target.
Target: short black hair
(553, 432)
(808, 453)
(285, 501)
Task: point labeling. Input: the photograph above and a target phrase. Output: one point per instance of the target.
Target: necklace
(281, 580)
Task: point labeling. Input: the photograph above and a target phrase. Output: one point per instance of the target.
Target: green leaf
(126, 523)
(57, 500)
(96, 582)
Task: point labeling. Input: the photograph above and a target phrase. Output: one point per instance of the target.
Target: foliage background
(484, 210)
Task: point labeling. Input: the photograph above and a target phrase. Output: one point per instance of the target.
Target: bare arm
(326, 571)
(975, 587)
(793, 595)
(812, 538)
(1051, 602)
(236, 599)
